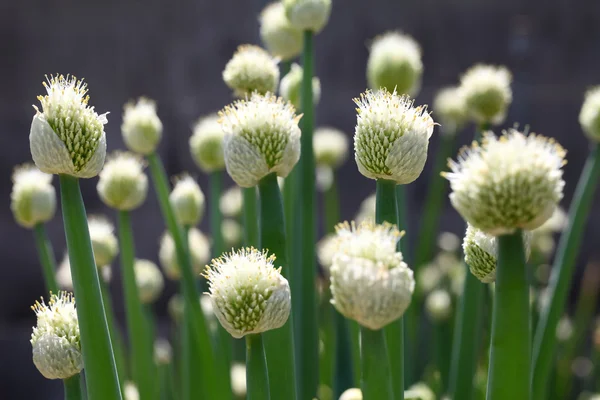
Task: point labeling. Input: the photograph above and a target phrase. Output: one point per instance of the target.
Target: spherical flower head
(249, 295)
(175, 308)
(149, 280)
(438, 305)
(130, 391)
(419, 391)
(206, 144)
(290, 87)
(507, 183)
(33, 198)
(352, 394)
(187, 201)
(251, 69)
(451, 109)
(232, 233)
(391, 136)
(199, 251)
(55, 340)
(104, 241)
(261, 136)
(231, 202)
(238, 379)
(487, 92)
(67, 137)
(330, 147)
(589, 116)
(277, 33)
(395, 64)
(123, 184)
(370, 283)
(141, 127)
(326, 249)
(308, 15)
(163, 352)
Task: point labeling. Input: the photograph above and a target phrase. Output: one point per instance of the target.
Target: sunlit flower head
(238, 379)
(33, 198)
(206, 144)
(311, 15)
(187, 201)
(141, 127)
(123, 185)
(487, 92)
(277, 33)
(251, 69)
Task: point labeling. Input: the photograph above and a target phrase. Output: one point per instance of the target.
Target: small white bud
(249, 295)
(277, 33)
(163, 352)
(429, 277)
(589, 116)
(451, 109)
(67, 137)
(438, 305)
(141, 127)
(391, 137)
(449, 242)
(261, 136)
(175, 308)
(55, 340)
(352, 394)
(104, 241)
(507, 183)
(308, 15)
(206, 144)
(149, 280)
(251, 69)
(199, 251)
(187, 201)
(419, 391)
(63, 273)
(487, 93)
(123, 185)
(395, 64)
(238, 379)
(290, 87)
(370, 283)
(326, 249)
(231, 202)
(564, 329)
(330, 147)
(366, 210)
(232, 233)
(130, 391)
(33, 198)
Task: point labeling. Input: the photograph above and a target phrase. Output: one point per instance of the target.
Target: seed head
(330, 147)
(67, 137)
(248, 293)
(261, 137)
(187, 201)
(251, 69)
(104, 241)
(277, 33)
(395, 64)
(206, 144)
(507, 183)
(291, 83)
(123, 184)
(141, 128)
(391, 136)
(55, 340)
(370, 282)
(308, 15)
(33, 198)
(451, 109)
(199, 251)
(149, 280)
(487, 92)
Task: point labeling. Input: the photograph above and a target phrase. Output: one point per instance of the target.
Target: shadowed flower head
(277, 33)
(391, 136)
(487, 92)
(33, 198)
(450, 109)
(231, 202)
(199, 251)
(123, 184)
(507, 183)
(67, 136)
(149, 280)
(206, 144)
(251, 69)
(187, 201)
(291, 83)
(308, 15)
(330, 146)
(104, 241)
(141, 128)
(589, 116)
(248, 293)
(261, 136)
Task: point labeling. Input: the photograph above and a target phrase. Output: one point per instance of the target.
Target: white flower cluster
(104, 241)
(251, 69)
(33, 198)
(206, 144)
(141, 127)
(123, 185)
(187, 201)
(487, 92)
(279, 36)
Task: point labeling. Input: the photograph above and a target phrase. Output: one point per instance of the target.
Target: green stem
(142, 364)
(257, 377)
(544, 344)
(344, 360)
(510, 354)
(307, 345)
(279, 342)
(116, 338)
(467, 338)
(216, 372)
(376, 379)
(327, 338)
(385, 211)
(215, 183)
(443, 342)
(250, 217)
(354, 330)
(192, 369)
(98, 357)
(44, 248)
(73, 388)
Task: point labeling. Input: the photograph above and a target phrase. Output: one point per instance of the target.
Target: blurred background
(174, 52)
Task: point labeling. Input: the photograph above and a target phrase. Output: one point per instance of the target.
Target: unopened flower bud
(163, 352)
(130, 391)
(487, 93)
(451, 109)
(231, 202)
(33, 198)
(291, 83)
(251, 69)
(123, 185)
(149, 280)
(141, 128)
(438, 305)
(419, 391)
(308, 15)
(238, 380)
(589, 117)
(277, 33)
(352, 394)
(187, 201)
(330, 146)
(104, 241)
(206, 144)
(199, 251)
(232, 233)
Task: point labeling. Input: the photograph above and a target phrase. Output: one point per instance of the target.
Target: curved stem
(44, 248)
(376, 378)
(257, 377)
(116, 338)
(142, 362)
(544, 345)
(510, 355)
(98, 357)
(73, 388)
(215, 183)
(216, 382)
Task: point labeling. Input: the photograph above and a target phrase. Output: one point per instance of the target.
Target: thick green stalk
(544, 345)
(215, 183)
(385, 211)
(467, 338)
(344, 360)
(510, 354)
(98, 358)
(327, 339)
(354, 330)
(307, 345)
(250, 217)
(279, 343)
(73, 388)
(257, 377)
(215, 379)
(442, 333)
(376, 379)
(44, 248)
(116, 338)
(142, 361)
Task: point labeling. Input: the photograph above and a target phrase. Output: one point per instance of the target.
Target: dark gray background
(174, 51)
